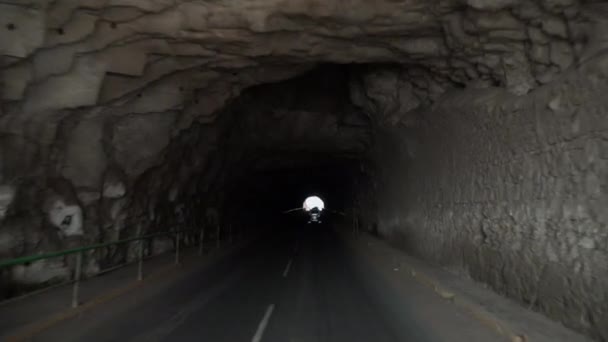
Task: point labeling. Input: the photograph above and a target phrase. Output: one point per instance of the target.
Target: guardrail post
(355, 222)
(140, 262)
(201, 240)
(230, 233)
(77, 276)
(178, 238)
(217, 241)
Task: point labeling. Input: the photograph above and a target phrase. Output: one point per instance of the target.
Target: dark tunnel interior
(289, 140)
(264, 197)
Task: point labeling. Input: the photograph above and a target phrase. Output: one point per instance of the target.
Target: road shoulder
(502, 315)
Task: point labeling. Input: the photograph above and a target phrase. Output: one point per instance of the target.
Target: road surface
(296, 285)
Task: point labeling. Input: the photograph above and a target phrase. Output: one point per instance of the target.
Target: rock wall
(509, 190)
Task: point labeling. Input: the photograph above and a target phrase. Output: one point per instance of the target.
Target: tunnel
(460, 149)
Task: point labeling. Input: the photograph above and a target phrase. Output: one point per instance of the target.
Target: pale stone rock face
(7, 194)
(68, 218)
(30, 30)
(114, 183)
(117, 208)
(84, 159)
(139, 139)
(114, 190)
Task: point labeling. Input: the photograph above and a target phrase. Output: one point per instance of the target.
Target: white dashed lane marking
(262, 327)
(287, 268)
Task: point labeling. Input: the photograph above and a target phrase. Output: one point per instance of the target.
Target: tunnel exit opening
(313, 202)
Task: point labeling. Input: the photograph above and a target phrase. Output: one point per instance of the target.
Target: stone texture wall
(512, 191)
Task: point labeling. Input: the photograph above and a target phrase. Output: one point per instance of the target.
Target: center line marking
(260, 332)
(287, 268)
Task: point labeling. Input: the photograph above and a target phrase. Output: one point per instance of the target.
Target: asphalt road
(297, 285)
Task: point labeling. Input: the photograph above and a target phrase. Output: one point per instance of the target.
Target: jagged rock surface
(510, 191)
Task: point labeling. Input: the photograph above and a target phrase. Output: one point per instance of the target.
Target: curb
(476, 311)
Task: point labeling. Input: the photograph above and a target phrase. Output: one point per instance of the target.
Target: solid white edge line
(287, 268)
(260, 332)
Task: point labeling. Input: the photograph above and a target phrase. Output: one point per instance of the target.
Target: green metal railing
(32, 258)
(79, 251)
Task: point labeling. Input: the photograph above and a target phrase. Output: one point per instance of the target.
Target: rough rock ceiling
(145, 71)
(69, 54)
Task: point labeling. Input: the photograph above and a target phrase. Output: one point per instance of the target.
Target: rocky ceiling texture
(120, 117)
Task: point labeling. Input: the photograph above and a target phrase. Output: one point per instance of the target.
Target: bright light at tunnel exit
(313, 202)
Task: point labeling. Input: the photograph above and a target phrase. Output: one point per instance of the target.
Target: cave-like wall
(511, 191)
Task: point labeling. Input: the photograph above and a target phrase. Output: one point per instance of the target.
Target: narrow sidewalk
(20, 313)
